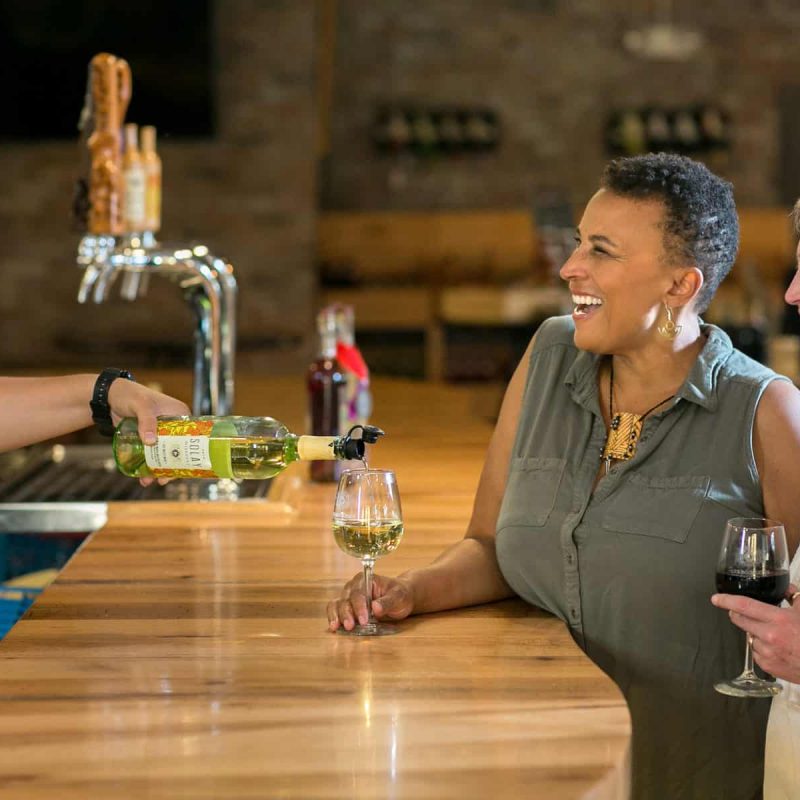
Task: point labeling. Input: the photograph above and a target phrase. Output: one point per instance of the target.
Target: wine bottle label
(182, 450)
(315, 448)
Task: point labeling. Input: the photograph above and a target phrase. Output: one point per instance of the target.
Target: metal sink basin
(53, 497)
(57, 518)
(86, 474)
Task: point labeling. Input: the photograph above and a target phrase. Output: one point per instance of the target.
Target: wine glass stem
(368, 564)
(748, 671)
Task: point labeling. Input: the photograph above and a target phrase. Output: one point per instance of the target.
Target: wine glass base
(371, 629)
(748, 687)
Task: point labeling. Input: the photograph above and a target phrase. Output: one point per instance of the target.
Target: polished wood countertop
(183, 652)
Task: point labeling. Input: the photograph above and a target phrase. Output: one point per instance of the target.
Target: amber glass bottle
(152, 174)
(133, 170)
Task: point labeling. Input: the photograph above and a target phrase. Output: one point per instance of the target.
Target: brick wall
(250, 195)
(551, 68)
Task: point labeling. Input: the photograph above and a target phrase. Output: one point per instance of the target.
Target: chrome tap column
(208, 285)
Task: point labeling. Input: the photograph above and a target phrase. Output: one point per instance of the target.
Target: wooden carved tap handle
(123, 89)
(111, 92)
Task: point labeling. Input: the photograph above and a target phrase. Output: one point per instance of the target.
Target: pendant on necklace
(623, 436)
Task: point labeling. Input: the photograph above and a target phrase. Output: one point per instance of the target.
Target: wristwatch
(101, 411)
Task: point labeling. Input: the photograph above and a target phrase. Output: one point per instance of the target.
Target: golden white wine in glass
(368, 524)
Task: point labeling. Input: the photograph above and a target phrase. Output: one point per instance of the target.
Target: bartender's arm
(35, 409)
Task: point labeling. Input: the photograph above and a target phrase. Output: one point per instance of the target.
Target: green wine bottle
(227, 447)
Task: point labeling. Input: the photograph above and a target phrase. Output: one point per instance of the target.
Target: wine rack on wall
(692, 131)
(435, 131)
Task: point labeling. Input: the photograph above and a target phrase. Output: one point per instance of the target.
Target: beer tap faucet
(208, 285)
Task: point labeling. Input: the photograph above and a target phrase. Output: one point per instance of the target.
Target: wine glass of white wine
(368, 524)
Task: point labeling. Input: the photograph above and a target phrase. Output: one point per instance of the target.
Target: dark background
(44, 44)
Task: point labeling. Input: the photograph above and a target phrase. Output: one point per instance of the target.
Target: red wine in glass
(766, 588)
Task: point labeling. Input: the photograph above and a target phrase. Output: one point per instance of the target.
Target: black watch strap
(101, 411)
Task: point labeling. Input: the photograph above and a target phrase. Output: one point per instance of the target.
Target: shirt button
(570, 558)
(574, 613)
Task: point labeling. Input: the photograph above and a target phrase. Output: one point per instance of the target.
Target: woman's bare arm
(775, 631)
(466, 573)
(776, 445)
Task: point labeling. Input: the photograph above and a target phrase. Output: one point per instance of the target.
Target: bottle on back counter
(358, 399)
(135, 185)
(227, 447)
(326, 394)
(152, 176)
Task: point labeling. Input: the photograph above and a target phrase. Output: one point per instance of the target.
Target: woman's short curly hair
(701, 226)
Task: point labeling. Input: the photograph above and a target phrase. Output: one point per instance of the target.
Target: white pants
(782, 758)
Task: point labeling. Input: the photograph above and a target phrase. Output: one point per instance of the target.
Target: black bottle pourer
(369, 433)
(355, 448)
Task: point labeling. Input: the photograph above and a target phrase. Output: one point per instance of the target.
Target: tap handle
(123, 71)
(105, 178)
(80, 195)
(105, 84)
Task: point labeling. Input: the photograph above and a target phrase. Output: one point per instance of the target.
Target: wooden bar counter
(183, 652)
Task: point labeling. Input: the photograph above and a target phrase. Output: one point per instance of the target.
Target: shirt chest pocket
(660, 507)
(531, 491)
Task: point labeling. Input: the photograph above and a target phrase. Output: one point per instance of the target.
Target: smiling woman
(629, 433)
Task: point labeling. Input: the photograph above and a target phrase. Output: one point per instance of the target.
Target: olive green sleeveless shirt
(631, 567)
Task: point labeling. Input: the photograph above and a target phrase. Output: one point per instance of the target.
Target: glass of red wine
(753, 562)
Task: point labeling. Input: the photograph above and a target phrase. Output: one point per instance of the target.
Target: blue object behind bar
(14, 602)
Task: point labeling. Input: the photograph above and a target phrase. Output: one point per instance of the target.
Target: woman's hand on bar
(392, 598)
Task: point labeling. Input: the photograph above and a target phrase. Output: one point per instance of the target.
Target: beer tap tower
(107, 250)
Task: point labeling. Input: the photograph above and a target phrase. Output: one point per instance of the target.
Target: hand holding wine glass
(392, 599)
(368, 524)
(775, 631)
(753, 563)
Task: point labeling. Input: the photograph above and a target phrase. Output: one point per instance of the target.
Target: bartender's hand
(775, 631)
(392, 598)
(131, 399)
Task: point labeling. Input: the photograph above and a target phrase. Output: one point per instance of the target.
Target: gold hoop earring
(669, 330)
